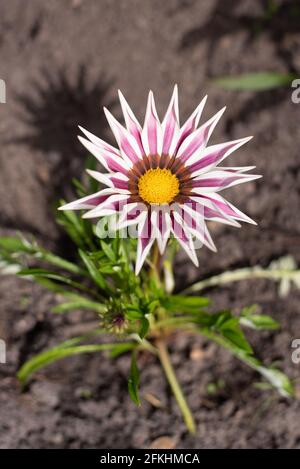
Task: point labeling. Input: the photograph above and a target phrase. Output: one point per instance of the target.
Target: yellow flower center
(158, 186)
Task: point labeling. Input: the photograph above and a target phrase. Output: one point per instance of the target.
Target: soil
(62, 61)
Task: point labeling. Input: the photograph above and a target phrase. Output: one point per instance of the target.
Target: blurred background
(62, 61)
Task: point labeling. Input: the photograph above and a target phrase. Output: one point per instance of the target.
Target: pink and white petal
(197, 140)
(112, 204)
(145, 241)
(194, 223)
(211, 156)
(161, 224)
(185, 239)
(131, 214)
(215, 181)
(120, 181)
(208, 209)
(89, 201)
(191, 124)
(117, 180)
(170, 125)
(228, 208)
(237, 169)
(111, 162)
(132, 124)
(100, 177)
(99, 142)
(127, 143)
(214, 215)
(152, 132)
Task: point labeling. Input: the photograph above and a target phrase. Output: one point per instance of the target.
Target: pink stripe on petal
(170, 125)
(191, 123)
(114, 203)
(215, 215)
(145, 241)
(132, 124)
(152, 133)
(131, 214)
(119, 183)
(99, 142)
(229, 209)
(219, 180)
(184, 239)
(126, 141)
(161, 224)
(110, 161)
(193, 222)
(89, 201)
(197, 140)
(213, 155)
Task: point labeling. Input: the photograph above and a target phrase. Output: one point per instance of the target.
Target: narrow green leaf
(12, 244)
(231, 330)
(94, 272)
(119, 349)
(144, 327)
(48, 274)
(64, 350)
(15, 246)
(108, 251)
(78, 229)
(259, 81)
(276, 377)
(133, 314)
(134, 380)
(185, 304)
(80, 303)
(259, 321)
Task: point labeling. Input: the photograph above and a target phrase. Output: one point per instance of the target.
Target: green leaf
(15, 246)
(119, 349)
(12, 244)
(144, 327)
(250, 318)
(134, 380)
(231, 330)
(259, 321)
(48, 274)
(184, 304)
(276, 377)
(78, 229)
(133, 314)
(278, 380)
(259, 81)
(79, 303)
(108, 251)
(66, 349)
(93, 271)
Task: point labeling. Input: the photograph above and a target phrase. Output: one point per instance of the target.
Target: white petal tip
(121, 96)
(88, 215)
(69, 206)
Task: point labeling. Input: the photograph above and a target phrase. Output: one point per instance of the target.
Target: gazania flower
(164, 178)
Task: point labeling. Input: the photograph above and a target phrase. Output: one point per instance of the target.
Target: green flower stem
(240, 274)
(155, 264)
(175, 386)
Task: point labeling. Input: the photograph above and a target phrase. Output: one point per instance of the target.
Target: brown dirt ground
(62, 61)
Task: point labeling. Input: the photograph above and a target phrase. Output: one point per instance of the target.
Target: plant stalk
(155, 263)
(240, 274)
(175, 386)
